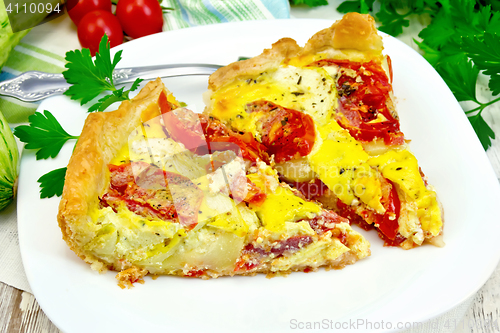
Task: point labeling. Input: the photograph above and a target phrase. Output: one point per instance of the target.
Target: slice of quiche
(326, 119)
(155, 188)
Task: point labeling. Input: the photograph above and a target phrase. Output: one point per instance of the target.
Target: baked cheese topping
(310, 90)
(281, 204)
(341, 163)
(401, 167)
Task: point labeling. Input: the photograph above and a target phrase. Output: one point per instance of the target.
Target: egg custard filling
(294, 146)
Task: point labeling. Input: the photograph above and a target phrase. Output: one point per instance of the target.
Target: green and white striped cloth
(44, 46)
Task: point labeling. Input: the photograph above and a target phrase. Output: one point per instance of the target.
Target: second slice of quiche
(325, 116)
(154, 188)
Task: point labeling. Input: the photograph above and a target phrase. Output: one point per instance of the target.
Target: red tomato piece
(388, 223)
(147, 190)
(388, 226)
(77, 9)
(140, 17)
(362, 98)
(286, 133)
(94, 25)
(184, 126)
(215, 131)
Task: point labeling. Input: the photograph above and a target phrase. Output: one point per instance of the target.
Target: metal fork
(33, 86)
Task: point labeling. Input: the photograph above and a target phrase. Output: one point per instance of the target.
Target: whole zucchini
(22, 23)
(9, 164)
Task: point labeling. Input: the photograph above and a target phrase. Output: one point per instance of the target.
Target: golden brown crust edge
(353, 32)
(126, 278)
(270, 58)
(102, 136)
(354, 35)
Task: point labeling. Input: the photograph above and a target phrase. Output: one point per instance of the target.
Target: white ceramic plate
(393, 285)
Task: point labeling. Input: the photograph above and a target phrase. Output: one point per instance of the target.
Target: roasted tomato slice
(286, 133)
(152, 192)
(387, 223)
(364, 90)
(216, 132)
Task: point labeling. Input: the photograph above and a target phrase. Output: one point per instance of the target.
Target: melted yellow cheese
(123, 156)
(231, 221)
(401, 167)
(310, 90)
(341, 163)
(305, 60)
(281, 206)
(162, 251)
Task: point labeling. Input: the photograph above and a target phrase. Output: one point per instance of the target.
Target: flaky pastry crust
(87, 177)
(353, 37)
(103, 134)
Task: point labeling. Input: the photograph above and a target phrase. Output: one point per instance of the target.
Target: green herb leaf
(392, 22)
(349, 6)
(44, 133)
(359, 6)
(310, 3)
(52, 183)
(485, 52)
(116, 96)
(494, 84)
(461, 77)
(89, 78)
(482, 129)
(430, 54)
(439, 32)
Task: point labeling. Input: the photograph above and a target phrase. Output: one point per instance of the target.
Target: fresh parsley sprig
(52, 183)
(310, 3)
(462, 41)
(89, 78)
(43, 133)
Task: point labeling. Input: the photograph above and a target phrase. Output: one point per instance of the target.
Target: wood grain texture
(20, 313)
(484, 313)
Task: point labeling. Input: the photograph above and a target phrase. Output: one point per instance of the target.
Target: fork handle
(33, 86)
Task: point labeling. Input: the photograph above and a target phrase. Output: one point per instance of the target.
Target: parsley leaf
(482, 129)
(485, 52)
(392, 21)
(430, 54)
(439, 32)
(310, 3)
(461, 77)
(494, 84)
(89, 78)
(359, 6)
(44, 133)
(52, 183)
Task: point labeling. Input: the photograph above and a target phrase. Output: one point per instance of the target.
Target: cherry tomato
(77, 9)
(140, 17)
(94, 25)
